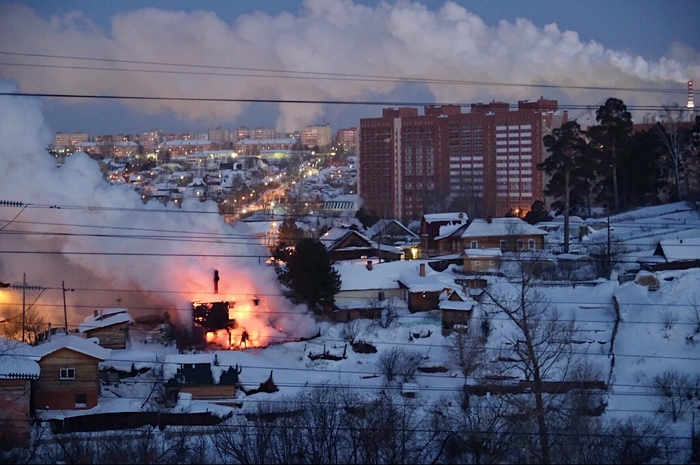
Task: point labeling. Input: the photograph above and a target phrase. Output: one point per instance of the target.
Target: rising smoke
(403, 39)
(82, 232)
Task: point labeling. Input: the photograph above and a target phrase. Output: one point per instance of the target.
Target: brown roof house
(109, 325)
(69, 373)
(16, 376)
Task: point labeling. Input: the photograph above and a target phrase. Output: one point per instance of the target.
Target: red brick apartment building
(407, 160)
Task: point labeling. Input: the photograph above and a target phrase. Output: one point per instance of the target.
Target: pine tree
(310, 276)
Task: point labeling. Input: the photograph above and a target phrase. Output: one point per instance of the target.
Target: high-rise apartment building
(409, 163)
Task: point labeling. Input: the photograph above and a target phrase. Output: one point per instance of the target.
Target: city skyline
(238, 63)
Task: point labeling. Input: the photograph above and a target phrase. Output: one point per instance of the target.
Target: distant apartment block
(347, 139)
(408, 162)
(255, 133)
(184, 147)
(62, 139)
(150, 140)
(317, 136)
(220, 136)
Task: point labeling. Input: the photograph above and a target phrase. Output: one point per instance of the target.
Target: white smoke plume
(403, 39)
(79, 231)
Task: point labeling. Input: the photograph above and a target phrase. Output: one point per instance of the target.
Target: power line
(295, 74)
(280, 101)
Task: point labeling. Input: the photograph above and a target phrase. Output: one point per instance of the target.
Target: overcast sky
(578, 52)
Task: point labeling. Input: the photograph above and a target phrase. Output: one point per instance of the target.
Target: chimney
(95, 313)
(216, 281)
(422, 269)
(691, 102)
(489, 219)
(369, 265)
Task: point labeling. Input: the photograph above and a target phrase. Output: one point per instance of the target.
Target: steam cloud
(150, 257)
(330, 36)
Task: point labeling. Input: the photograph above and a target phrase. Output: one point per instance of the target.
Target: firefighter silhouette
(244, 339)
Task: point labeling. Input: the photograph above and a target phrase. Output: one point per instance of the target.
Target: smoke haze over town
(336, 51)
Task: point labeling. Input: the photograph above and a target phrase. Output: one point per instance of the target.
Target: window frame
(66, 374)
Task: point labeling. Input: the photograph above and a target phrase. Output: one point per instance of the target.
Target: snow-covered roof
(14, 365)
(104, 318)
(78, 344)
(433, 281)
(681, 249)
(179, 142)
(483, 253)
(460, 217)
(266, 141)
(480, 227)
(382, 224)
(355, 275)
(467, 305)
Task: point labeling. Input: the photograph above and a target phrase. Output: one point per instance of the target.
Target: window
(81, 400)
(477, 263)
(531, 244)
(521, 244)
(474, 244)
(67, 373)
(502, 245)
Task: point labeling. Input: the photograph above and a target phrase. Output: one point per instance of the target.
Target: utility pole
(65, 312)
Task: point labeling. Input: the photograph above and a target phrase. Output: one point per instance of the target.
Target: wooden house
(392, 232)
(674, 254)
(456, 308)
(200, 375)
(422, 290)
(69, 376)
(109, 325)
(437, 225)
(478, 261)
(507, 234)
(17, 373)
(347, 244)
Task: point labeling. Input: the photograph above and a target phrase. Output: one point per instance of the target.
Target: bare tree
(676, 391)
(399, 363)
(389, 311)
(539, 351)
(27, 326)
(468, 347)
(479, 429)
(678, 143)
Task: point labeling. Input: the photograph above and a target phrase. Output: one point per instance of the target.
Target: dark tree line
(334, 425)
(611, 167)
